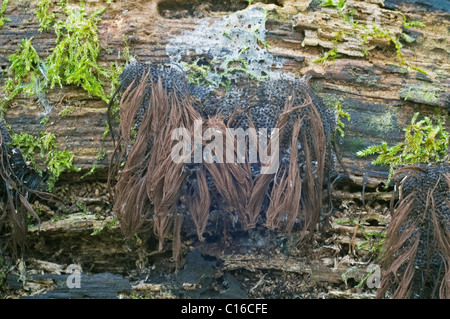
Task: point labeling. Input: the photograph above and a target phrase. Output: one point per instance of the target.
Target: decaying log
(315, 273)
(380, 95)
(97, 244)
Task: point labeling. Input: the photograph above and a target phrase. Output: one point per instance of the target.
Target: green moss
(382, 33)
(349, 18)
(126, 49)
(82, 207)
(91, 171)
(33, 147)
(24, 60)
(340, 115)
(198, 74)
(338, 4)
(67, 111)
(335, 102)
(46, 18)
(425, 141)
(2, 11)
(374, 240)
(107, 225)
(24, 67)
(407, 38)
(365, 33)
(330, 55)
(73, 61)
(333, 53)
(409, 24)
(227, 35)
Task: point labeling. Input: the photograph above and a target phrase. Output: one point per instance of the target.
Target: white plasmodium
(238, 38)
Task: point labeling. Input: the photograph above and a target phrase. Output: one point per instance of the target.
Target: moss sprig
(2, 11)
(45, 16)
(425, 141)
(24, 60)
(73, 61)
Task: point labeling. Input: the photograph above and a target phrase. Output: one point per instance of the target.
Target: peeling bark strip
(158, 100)
(417, 259)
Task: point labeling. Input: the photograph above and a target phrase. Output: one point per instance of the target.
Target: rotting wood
(313, 272)
(368, 88)
(73, 238)
(364, 84)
